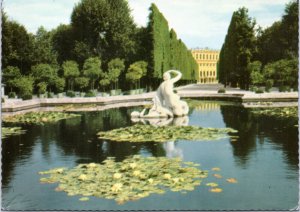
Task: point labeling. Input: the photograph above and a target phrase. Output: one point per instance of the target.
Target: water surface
(264, 160)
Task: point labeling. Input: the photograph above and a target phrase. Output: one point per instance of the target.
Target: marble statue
(166, 103)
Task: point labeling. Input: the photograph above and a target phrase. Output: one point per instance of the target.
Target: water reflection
(77, 138)
(253, 131)
(209, 106)
(170, 146)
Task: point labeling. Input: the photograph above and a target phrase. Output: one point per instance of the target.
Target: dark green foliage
(90, 94)
(278, 49)
(256, 76)
(92, 69)
(115, 68)
(283, 72)
(290, 29)
(104, 81)
(221, 90)
(269, 44)
(63, 42)
(71, 71)
(81, 82)
(10, 75)
(70, 94)
(24, 86)
(59, 84)
(12, 95)
(269, 84)
(27, 97)
(284, 88)
(136, 71)
(259, 90)
(238, 50)
(17, 45)
(104, 27)
(48, 74)
(42, 87)
(167, 52)
(50, 95)
(280, 41)
(43, 49)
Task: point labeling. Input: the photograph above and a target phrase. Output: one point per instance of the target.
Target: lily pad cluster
(72, 107)
(39, 117)
(281, 112)
(10, 131)
(134, 178)
(148, 133)
(214, 187)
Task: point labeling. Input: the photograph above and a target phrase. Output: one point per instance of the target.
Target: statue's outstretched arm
(177, 77)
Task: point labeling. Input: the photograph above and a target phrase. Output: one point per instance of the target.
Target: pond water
(264, 160)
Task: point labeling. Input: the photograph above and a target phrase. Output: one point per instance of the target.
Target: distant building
(207, 60)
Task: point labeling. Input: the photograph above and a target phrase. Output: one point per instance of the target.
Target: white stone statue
(166, 103)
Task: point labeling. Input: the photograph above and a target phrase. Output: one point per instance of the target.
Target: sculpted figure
(168, 98)
(166, 103)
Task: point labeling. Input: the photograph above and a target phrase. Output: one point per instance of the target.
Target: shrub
(70, 94)
(42, 87)
(259, 90)
(222, 90)
(284, 88)
(50, 95)
(12, 95)
(90, 94)
(26, 96)
(253, 88)
(269, 84)
(295, 88)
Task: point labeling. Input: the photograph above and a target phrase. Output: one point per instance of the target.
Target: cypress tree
(167, 52)
(238, 50)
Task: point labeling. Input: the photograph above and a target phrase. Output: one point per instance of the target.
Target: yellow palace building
(207, 60)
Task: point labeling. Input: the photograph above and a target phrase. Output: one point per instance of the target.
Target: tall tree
(238, 49)
(269, 43)
(290, 29)
(63, 42)
(166, 51)
(115, 68)
(17, 45)
(106, 27)
(43, 49)
(10, 75)
(92, 69)
(71, 71)
(280, 41)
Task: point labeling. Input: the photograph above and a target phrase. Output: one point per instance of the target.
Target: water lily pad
(132, 179)
(217, 176)
(10, 131)
(75, 107)
(231, 180)
(148, 133)
(216, 190)
(39, 117)
(212, 184)
(279, 112)
(84, 199)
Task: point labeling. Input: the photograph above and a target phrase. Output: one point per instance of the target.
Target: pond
(263, 159)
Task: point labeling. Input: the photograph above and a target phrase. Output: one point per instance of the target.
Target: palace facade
(207, 61)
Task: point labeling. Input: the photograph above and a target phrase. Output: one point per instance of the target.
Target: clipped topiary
(222, 90)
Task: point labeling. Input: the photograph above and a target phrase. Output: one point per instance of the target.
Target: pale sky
(199, 23)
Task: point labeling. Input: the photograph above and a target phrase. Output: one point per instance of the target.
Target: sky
(198, 23)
